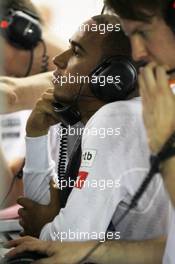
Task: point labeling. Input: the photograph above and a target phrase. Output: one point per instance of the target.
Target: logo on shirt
(82, 175)
(88, 157)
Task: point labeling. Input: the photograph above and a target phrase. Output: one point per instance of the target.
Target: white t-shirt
(119, 160)
(169, 257)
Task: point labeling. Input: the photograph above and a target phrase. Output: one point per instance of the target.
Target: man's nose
(62, 59)
(139, 51)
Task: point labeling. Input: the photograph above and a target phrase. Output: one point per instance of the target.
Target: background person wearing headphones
(26, 52)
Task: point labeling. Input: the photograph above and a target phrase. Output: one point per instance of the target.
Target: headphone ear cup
(23, 31)
(114, 79)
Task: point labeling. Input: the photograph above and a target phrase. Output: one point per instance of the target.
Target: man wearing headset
(23, 55)
(128, 115)
(73, 62)
(145, 23)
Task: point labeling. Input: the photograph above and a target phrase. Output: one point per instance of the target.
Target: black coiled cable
(62, 154)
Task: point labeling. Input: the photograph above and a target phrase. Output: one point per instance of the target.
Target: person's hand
(57, 252)
(34, 216)
(158, 105)
(43, 116)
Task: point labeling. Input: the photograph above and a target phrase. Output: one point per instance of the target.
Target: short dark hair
(142, 10)
(115, 42)
(21, 5)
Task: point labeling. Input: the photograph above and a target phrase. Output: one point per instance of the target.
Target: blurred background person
(24, 55)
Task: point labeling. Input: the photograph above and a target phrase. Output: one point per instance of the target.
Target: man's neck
(89, 110)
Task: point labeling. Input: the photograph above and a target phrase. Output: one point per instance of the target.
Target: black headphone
(21, 28)
(111, 91)
(115, 89)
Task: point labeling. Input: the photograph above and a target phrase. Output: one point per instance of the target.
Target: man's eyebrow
(135, 31)
(74, 43)
(138, 29)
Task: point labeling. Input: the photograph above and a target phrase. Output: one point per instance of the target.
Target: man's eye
(144, 34)
(76, 51)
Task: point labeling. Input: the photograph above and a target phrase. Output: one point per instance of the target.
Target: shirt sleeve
(91, 205)
(38, 170)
